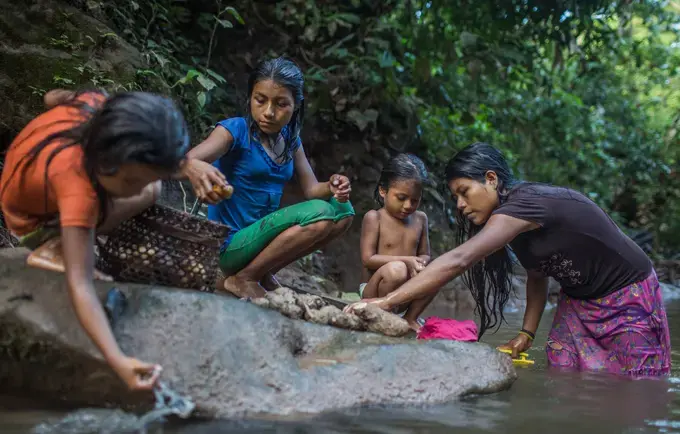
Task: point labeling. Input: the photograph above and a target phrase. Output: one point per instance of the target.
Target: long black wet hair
(286, 73)
(129, 127)
(489, 279)
(401, 167)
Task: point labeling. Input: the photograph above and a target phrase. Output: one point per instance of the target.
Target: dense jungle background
(583, 94)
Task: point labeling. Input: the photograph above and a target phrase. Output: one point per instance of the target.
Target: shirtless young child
(394, 239)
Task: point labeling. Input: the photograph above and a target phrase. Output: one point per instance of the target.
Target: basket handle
(182, 234)
(196, 207)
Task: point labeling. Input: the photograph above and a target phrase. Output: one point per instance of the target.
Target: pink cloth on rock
(444, 328)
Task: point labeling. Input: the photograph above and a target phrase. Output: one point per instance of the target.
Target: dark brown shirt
(577, 243)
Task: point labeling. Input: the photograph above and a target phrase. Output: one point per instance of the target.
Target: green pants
(40, 235)
(250, 241)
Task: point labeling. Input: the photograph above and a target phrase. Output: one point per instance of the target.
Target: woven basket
(166, 247)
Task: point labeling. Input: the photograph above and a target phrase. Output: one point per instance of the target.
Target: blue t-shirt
(258, 180)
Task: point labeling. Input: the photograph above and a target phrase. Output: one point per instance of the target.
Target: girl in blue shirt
(257, 155)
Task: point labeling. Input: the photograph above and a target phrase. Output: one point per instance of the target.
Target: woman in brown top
(610, 315)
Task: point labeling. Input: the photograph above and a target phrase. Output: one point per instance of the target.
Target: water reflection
(541, 401)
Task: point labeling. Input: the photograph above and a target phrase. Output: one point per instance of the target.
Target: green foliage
(174, 62)
(581, 94)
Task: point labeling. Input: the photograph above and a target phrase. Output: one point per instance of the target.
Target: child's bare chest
(399, 239)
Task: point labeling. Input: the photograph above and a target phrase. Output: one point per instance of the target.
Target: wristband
(528, 334)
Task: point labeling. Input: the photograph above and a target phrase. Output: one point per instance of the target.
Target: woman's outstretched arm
(497, 233)
(537, 296)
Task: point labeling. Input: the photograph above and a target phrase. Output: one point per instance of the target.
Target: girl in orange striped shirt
(84, 166)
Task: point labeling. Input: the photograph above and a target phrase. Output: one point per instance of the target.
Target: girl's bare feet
(414, 325)
(98, 275)
(49, 257)
(243, 288)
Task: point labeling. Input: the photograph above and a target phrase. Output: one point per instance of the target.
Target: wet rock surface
(94, 421)
(233, 358)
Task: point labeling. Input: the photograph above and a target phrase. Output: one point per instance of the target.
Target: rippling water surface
(540, 401)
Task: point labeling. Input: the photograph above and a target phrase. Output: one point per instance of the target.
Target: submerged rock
(669, 291)
(235, 359)
(93, 421)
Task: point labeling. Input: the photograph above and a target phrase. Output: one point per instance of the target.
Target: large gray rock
(234, 358)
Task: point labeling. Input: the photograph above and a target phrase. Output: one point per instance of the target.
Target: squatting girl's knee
(322, 208)
(341, 226)
(319, 228)
(395, 271)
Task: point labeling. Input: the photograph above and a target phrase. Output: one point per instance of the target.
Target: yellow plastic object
(224, 192)
(523, 358)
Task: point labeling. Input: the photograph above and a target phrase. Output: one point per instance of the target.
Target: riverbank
(540, 401)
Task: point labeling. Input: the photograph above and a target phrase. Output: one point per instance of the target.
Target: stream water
(541, 401)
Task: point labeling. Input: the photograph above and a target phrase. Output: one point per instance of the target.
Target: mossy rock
(48, 44)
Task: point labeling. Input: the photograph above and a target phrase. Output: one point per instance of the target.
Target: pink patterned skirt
(625, 332)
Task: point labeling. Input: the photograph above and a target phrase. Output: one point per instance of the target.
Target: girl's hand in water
(519, 344)
(380, 302)
(204, 176)
(414, 265)
(136, 374)
(340, 187)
